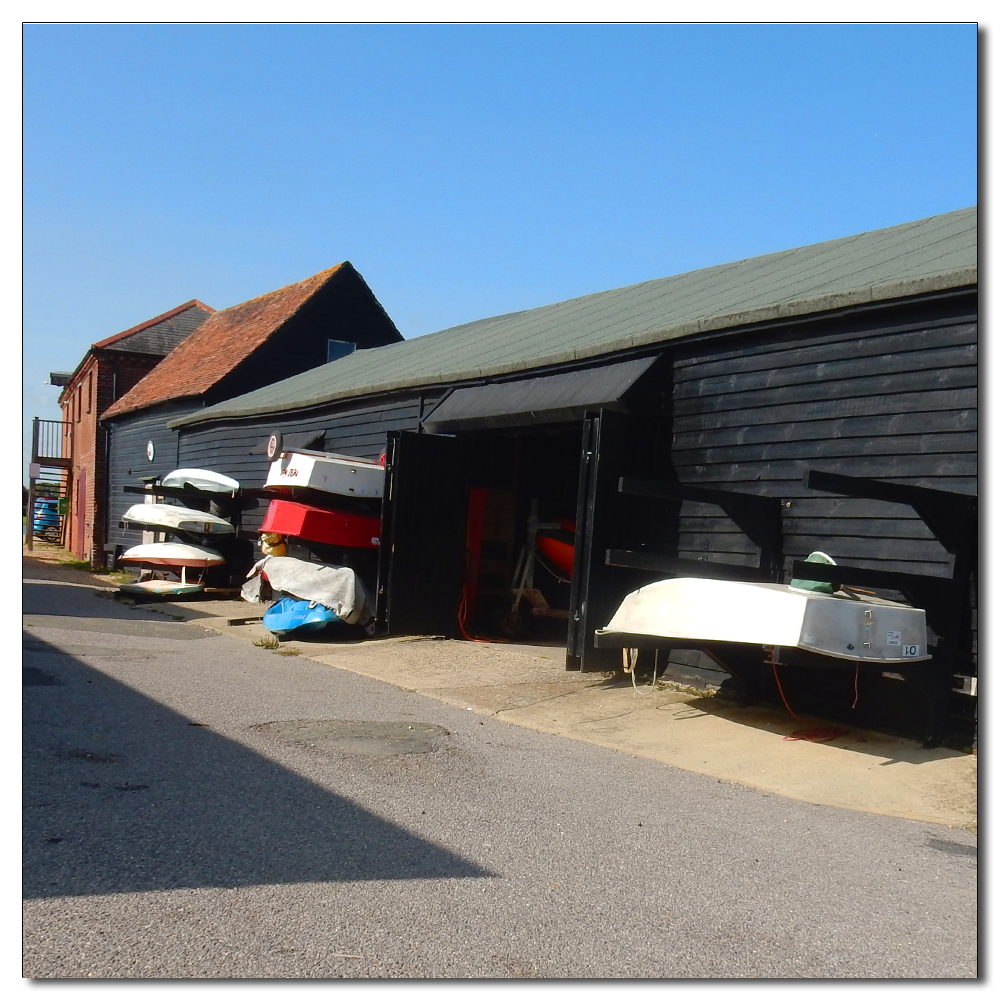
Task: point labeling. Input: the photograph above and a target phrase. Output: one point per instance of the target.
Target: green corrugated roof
(928, 255)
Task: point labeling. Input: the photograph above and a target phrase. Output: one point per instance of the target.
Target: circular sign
(274, 446)
(150, 450)
(381, 460)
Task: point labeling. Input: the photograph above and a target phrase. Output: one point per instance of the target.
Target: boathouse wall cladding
(855, 357)
(238, 349)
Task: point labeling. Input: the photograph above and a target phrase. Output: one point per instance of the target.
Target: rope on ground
(820, 734)
(629, 659)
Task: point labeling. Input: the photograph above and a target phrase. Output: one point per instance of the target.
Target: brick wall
(104, 377)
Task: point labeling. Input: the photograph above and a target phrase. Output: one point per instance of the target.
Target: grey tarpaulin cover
(335, 587)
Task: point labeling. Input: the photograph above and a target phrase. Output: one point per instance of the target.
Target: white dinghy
(323, 470)
(175, 556)
(167, 517)
(172, 554)
(767, 614)
(202, 479)
(169, 587)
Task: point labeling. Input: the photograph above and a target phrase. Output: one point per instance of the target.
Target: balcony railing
(52, 443)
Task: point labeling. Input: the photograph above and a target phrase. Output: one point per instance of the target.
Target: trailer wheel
(511, 623)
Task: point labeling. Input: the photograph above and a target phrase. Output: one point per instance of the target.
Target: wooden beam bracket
(951, 517)
(658, 563)
(758, 517)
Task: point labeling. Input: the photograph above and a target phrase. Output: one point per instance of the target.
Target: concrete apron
(529, 686)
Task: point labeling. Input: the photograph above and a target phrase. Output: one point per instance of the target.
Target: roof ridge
(327, 273)
(169, 314)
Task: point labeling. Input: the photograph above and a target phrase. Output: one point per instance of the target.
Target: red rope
(461, 623)
(774, 670)
(463, 609)
(821, 734)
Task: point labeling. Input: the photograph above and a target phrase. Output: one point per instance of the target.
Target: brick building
(107, 372)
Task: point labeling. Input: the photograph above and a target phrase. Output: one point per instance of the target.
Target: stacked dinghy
(177, 567)
(318, 538)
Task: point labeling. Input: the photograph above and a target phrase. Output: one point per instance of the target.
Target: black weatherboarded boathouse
(244, 347)
(628, 411)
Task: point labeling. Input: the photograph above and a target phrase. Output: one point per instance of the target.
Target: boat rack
(953, 519)
(948, 601)
(758, 517)
(230, 505)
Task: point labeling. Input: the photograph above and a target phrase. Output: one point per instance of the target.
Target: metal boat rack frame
(951, 517)
(230, 506)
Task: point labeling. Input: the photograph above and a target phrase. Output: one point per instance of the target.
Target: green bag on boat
(816, 586)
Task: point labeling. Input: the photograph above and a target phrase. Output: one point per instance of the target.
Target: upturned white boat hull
(202, 479)
(173, 587)
(318, 470)
(768, 614)
(166, 517)
(172, 554)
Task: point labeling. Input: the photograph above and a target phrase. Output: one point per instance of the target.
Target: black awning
(547, 399)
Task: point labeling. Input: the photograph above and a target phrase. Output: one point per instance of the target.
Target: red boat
(557, 545)
(314, 524)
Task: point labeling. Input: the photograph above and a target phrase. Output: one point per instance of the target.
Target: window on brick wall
(90, 392)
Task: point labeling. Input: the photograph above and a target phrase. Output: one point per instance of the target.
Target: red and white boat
(172, 554)
(175, 557)
(172, 588)
(326, 471)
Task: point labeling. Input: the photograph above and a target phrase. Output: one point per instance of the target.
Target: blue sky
(465, 170)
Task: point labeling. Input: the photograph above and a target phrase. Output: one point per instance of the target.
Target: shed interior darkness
(524, 472)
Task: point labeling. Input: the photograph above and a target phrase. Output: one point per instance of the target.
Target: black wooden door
(608, 447)
(423, 532)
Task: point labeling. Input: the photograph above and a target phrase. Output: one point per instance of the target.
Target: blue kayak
(290, 616)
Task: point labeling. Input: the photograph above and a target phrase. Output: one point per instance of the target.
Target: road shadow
(55, 599)
(207, 604)
(122, 794)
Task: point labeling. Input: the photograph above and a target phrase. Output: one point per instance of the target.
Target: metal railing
(51, 442)
(50, 481)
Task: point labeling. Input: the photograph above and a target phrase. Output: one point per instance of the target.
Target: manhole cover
(368, 739)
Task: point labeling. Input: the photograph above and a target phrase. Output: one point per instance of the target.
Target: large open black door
(607, 448)
(615, 445)
(423, 532)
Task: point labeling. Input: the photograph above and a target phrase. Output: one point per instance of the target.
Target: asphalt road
(176, 828)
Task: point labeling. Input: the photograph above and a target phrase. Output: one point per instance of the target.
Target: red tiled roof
(152, 322)
(224, 340)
